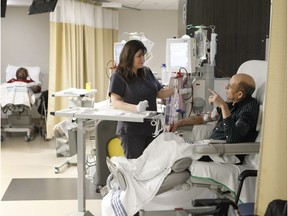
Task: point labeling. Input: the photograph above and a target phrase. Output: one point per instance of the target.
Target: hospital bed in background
(17, 101)
(219, 178)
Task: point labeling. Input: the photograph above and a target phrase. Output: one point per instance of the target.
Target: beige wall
(157, 26)
(25, 41)
(25, 38)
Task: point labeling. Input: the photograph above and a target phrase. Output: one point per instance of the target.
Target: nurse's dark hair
(127, 57)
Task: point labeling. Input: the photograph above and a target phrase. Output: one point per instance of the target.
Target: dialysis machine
(184, 65)
(188, 75)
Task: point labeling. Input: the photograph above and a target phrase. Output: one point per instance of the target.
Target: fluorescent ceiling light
(111, 5)
(19, 2)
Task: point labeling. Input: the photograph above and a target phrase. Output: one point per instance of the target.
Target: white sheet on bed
(17, 93)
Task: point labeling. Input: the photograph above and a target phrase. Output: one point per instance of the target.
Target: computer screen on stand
(180, 53)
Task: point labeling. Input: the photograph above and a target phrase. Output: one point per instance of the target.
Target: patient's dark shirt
(240, 126)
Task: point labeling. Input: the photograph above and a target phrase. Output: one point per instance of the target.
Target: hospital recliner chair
(108, 145)
(258, 70)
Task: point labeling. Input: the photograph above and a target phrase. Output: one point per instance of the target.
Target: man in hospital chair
(237, 120)
(22, 76)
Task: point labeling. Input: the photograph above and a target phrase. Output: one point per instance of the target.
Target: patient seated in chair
(141, 178)
(237, 117)
(22, 76)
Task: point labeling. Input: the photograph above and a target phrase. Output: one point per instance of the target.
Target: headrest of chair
(258, 70)
(34, 72)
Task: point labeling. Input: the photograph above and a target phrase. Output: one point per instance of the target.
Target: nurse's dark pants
(134, 146)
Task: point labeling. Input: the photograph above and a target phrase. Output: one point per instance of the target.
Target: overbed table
(101, 111)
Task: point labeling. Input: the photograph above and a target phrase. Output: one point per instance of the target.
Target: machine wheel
(44, 136)
(36, 129)
(27, 138)
(98, 188)
(56, 170)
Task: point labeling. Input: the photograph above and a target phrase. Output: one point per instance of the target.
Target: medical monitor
(117, 50)
(42, 6)
(180, 52)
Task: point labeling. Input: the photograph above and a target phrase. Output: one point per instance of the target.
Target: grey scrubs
(135, 137)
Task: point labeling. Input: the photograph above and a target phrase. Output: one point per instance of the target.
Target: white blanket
(225, 175)
(145, 174)
(17, 93)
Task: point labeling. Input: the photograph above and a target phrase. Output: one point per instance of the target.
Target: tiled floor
(36, 159)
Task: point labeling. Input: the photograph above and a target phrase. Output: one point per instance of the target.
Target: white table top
(102, 111)
(74, 92)
(102, 114)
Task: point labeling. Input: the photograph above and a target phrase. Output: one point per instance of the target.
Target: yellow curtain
(272, 177)
(82, 36)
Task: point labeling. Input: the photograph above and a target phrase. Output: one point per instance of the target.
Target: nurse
(133, 87)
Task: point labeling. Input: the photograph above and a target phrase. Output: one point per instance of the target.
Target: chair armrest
(243, 175)
(227, 148)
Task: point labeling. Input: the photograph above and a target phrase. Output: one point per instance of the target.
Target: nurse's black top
(133, 92)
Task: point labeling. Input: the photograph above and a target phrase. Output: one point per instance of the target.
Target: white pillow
(34, 72)
(252, 160)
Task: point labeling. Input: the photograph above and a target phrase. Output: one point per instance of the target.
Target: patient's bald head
(245, 83)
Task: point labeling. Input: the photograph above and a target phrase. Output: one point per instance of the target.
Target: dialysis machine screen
(180, 52)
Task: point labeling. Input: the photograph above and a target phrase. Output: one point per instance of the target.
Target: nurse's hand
(142, 106)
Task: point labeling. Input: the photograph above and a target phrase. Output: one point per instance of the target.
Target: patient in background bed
(21, 76)
(237, 117)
